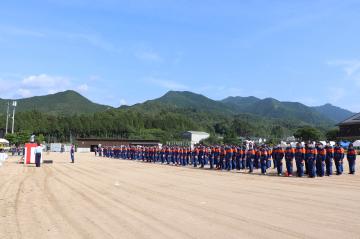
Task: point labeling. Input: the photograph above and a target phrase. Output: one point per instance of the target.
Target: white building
(195, 136)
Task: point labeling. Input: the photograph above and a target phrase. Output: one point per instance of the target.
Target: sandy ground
(108, 198)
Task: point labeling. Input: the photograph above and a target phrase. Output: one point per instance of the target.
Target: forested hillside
(164, 118)
(67, 103)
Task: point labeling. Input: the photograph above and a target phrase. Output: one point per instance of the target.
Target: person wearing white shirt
(38, 152)
(3, 157)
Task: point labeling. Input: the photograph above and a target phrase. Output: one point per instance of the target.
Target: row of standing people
(312, 160)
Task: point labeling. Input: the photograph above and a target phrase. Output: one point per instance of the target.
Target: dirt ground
(108, 198)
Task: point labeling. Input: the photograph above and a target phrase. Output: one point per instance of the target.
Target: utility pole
(7, 118)
(13, 117)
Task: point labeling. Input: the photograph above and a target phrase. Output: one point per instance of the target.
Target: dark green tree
(307, 133)
(332, 134)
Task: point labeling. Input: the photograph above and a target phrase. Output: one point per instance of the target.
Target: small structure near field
(350, 128)
(195, 136)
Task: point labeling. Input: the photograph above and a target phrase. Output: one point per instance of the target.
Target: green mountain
(322, 115)
(71, 102)
(189, 104)
(267, 108)
(271, 108)
(164, 118)
(240, 103)
(180, 100)
(67, 103)
(334, 113)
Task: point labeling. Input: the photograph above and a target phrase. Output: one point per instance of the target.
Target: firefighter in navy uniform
(306, 159)
(228, 158)
(320, 160)
(269, 152)
(329, 159)
(351, 157)
(234, 157)
(338, 158)
(257, 157)
(222, 158)
(244, 164)
(289, 158)
(310, 158)
(278, 157)
(250, 154)
(196, 156)
(238, 158)
(299, 159)
(273, 157)
(263, 159)
(202, 157)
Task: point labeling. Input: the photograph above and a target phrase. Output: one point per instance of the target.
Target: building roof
(197, 132)
(355, 119)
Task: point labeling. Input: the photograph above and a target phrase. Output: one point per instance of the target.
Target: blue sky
(125, 52)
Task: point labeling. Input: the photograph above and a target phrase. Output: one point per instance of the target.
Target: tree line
(165, 126)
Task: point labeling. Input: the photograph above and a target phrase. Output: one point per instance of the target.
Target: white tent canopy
(4, 141)
(356, 143)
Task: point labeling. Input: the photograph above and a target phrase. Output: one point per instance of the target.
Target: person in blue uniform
(310, 158)
(320, 160)
(278, 157)
(289, 158)
(299, 159)
(351, 157)
(228, 158)
(329, 159)
(338, 158)
(250, 155)
(263, 159)
(72, 154)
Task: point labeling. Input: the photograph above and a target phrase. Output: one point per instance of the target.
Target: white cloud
(351, 67)
(18, 31)
(83, 88)
(336, 94)
(348, 86)
(123, 102)
(94, 78)
(148, 55)
(34, 85)
(6, 85)
(52, 91)
(44, 81)
(24, 93)
(92, 39)
(167, 84)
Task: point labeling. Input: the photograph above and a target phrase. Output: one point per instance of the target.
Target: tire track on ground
(204, 211)
(20, 191)
(61, 210)
(156, 227)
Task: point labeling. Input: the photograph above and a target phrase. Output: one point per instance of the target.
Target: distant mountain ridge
(70, 102)
(255, 105)
(67, 103)
(267, 108)
(335, 113)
